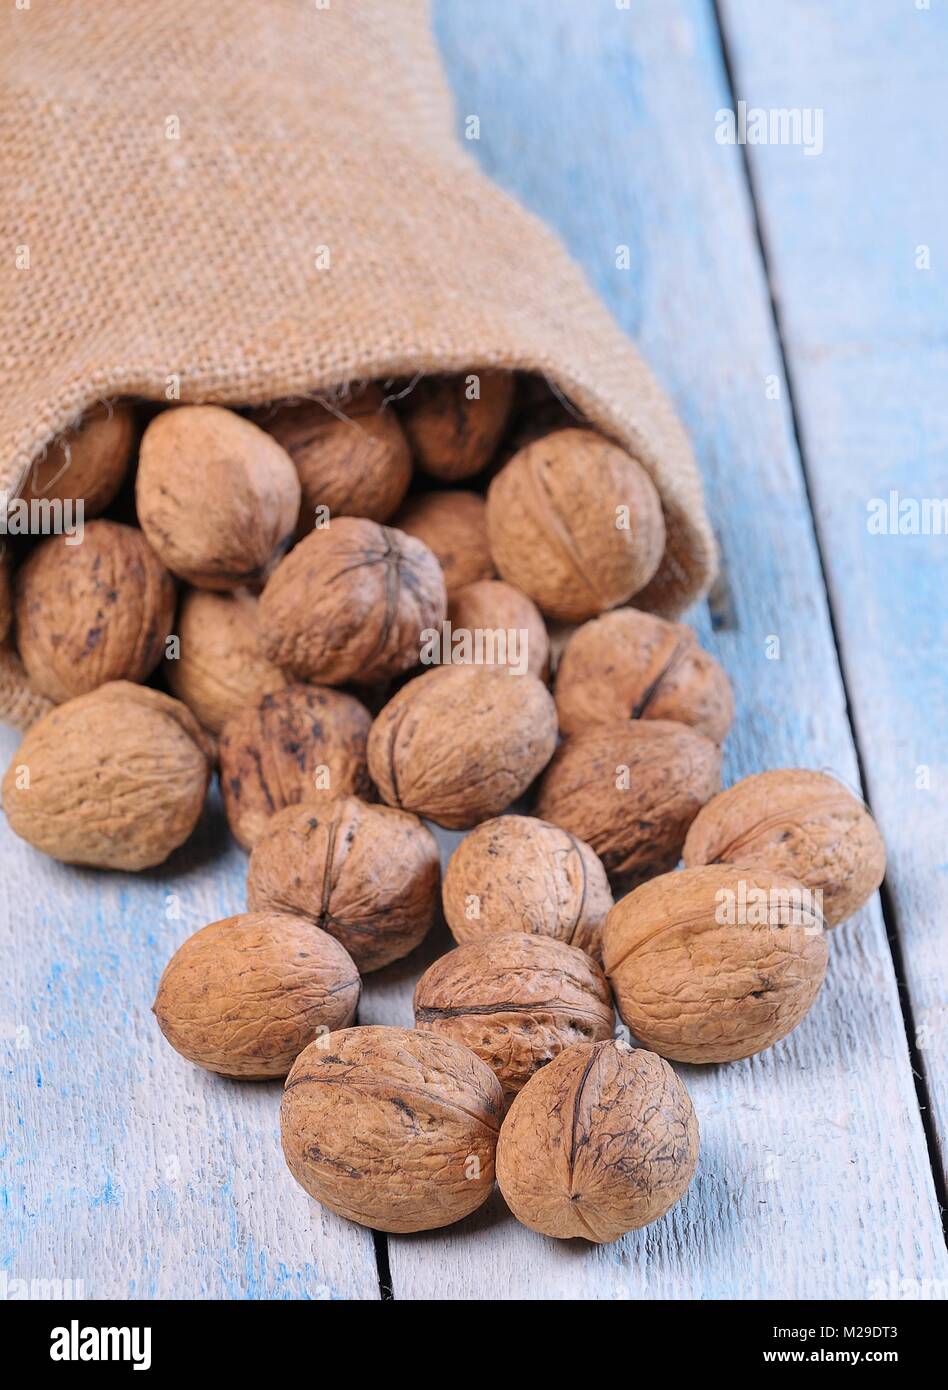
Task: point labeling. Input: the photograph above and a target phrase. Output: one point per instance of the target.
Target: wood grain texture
(863, 326)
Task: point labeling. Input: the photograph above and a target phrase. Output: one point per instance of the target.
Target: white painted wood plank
(122, 1166)
(864, 326)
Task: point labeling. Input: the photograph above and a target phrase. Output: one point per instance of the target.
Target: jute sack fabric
(242, 202)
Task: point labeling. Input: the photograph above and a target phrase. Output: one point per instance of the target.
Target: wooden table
(784, 300)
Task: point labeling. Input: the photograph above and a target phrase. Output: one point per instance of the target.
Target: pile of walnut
(285, 567)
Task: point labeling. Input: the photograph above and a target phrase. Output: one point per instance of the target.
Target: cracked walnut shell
(602, 1141)
(299, 745)
(94, 612)
(351, 454)
(114, 779)
(631, 790)
(576, 523)
(716, 963)
(805, 824)
(515, 1000)
(350, 603)
(452, 435)
(392, 1127)
(632, 665)
(460, 743)
(519, 874)
(217, 497)
(453, 525)
(219, 669)
(368, 875)
(244, 996)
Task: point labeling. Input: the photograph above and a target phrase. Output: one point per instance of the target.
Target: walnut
(453, 525)
(460, 743)
(298, 746)
(352, 457)
(217, 497)
(351, 602)
(114, 779)
(515, 1000)
(88, 463)
(244, 996)
(632, 665)
(716, 963)
(6, 594)
(491, 605)
(576, 523)
(631, 791)
(518, 874)
(391, 1127)
(219, 669)
(94, 612)
(453, 436)
(369, 875)
(602, 1141)
(796, 822)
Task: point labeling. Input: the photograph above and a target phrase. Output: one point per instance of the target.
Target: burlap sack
(259, 200)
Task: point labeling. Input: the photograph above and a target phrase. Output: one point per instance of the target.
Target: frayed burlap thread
(240, 202)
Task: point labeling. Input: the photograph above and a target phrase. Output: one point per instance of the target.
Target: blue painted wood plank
(858, 243)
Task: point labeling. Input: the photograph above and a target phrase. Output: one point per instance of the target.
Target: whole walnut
(453, 436)
(453, 525)
(631, 790)
(515, 1000)
(391, 1127)
(519, 874)
(576, 523)
(351, 455)
(297, 746)
(805, 824)
(493, 606)
(217, 497)
(369, 875)
(114, 779)
(716, 963)
(460, 743)
(94, 612)
(219, 668)
(88, 463)
(602, 1141)
(244, 996)
(632, 665)
(350, 602)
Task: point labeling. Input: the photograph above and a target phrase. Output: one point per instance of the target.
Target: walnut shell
(88, 463)
(631, 791)
(632, 665)
(298, 746)
(492, 605)
(220, 669)
(453, 525)
(350, 602)
(369, 875)
(244, 996)
(796, 822)
(391, 1127)
(553, 519)
(460, 743)
(602, 1141)
(91, 613)
(518, 874)
(515, 1000)
(711, 964)
(217, 497)
(453, 437)
(352, 458)
(116, 779)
